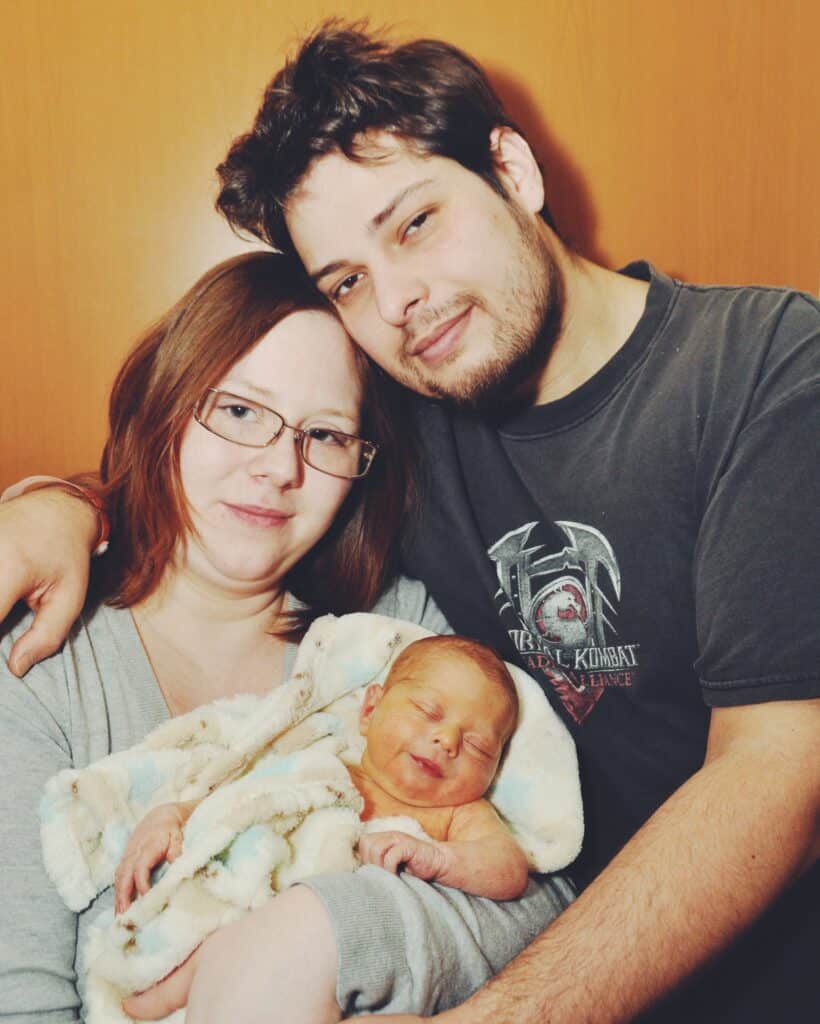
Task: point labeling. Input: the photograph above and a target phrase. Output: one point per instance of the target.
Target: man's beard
(520, 350)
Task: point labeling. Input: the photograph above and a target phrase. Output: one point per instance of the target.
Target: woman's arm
(37, 931)
(46, 538)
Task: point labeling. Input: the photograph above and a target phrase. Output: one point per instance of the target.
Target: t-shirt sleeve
(409, 599)
(757, 559)
(37, 931)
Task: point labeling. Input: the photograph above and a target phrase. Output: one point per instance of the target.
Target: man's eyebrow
(388, 211)
(375, 223)
(328, 268)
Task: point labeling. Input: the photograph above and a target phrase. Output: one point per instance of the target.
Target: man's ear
(517, 168)
(372, 695)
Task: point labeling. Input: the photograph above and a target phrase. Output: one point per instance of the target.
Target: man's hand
(45, 545)
(398, 1018)
(392, 850)
(709, 861)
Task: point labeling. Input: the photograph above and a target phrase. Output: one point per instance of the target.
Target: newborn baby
(434, 734)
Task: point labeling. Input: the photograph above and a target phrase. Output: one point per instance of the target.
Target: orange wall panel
(684, 132)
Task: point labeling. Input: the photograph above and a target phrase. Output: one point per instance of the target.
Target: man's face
(440, 280)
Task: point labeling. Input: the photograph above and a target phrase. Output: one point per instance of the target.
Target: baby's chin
(416, 796)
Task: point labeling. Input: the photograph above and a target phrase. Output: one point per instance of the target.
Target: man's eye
(416, 223)
(343, 289)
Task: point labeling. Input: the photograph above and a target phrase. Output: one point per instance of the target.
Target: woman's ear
(517, 168)
(372, 695)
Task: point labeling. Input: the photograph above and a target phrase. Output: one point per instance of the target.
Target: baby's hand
(392, 850)
(156, 838)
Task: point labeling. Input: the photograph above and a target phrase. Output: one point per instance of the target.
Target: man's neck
(601, 310)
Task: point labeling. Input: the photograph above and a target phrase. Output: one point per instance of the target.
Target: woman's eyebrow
(267, 396)
(246, 385)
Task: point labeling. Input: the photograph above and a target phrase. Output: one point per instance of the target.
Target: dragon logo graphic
(559, 615)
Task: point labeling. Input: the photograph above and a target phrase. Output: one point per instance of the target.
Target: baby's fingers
(395, 856)
(174, 847)
(123, 886)
(147, 859)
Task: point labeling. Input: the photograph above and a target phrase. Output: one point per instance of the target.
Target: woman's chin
(237, 575)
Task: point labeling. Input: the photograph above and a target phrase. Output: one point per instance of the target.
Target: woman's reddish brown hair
(192, 348)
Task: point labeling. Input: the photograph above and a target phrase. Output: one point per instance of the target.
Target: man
(620, 495)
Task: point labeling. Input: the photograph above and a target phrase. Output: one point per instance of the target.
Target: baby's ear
(372, 695)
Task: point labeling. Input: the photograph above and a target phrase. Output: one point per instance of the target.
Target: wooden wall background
(687, 131)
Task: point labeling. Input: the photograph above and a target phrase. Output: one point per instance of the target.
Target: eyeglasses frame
(369, 452)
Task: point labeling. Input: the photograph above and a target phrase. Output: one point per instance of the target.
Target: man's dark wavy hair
(344, 81)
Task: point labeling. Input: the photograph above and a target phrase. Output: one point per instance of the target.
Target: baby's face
(435, 733)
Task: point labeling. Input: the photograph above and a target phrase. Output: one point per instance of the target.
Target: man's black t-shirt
(649, 547)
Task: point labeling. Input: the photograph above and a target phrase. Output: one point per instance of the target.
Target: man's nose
(281, 460)
(400, 290)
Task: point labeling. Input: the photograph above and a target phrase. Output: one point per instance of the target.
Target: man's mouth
(427, 766)
(439, 343)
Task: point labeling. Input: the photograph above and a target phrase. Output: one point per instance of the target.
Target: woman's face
(257, 511)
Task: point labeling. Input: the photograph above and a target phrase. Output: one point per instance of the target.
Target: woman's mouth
(258, 515)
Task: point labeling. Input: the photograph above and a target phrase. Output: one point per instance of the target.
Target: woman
(255, 480)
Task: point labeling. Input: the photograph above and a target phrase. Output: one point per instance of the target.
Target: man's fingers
(400, 1018)
(169, 994)
(12, 584)
(55, 612)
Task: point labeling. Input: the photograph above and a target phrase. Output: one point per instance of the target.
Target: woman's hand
(156, 838)
(45, 545)
(392, 850)
(167, 995)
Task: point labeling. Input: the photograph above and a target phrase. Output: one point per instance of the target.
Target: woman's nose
(281, 460)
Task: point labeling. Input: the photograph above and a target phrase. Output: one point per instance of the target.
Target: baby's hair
(484, 657)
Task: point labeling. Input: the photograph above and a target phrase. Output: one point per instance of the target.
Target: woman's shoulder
(408, 598)
(97, 692)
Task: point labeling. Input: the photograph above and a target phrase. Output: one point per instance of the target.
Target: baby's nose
(448, 738)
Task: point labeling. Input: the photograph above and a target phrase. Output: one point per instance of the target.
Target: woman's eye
(343, 289)
(329, 437)
(243, 413)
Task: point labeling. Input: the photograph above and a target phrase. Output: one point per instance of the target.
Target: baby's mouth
(427, 766)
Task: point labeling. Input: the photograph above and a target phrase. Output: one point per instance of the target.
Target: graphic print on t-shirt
(559, 610)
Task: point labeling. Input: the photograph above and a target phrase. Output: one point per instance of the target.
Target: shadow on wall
(568, 197)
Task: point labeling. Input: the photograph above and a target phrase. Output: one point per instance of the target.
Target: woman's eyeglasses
(248, 423)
